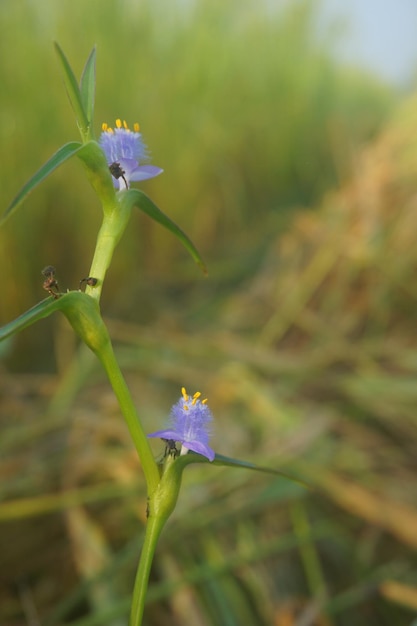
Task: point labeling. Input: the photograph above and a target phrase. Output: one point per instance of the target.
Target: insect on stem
(50, 283)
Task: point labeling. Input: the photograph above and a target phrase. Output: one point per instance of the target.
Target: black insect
(50, 284)
(170, 448)
(89, 281)
(117, 171)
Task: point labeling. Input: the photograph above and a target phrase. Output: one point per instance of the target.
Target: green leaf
(219, 459)
(74, 95)
(38, 312)
(63, 154)
(88, 86)
(135, 197)
(81, 310)
(92, 156)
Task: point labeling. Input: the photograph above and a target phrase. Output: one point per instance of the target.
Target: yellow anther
(104, 127)
(118, 123)
(125, 125)
(184, 394)
(136, 127)
(204, 401)
(185, 407)
(196, 397)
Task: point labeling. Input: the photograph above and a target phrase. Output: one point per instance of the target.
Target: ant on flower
(117, 171)
(170, 448)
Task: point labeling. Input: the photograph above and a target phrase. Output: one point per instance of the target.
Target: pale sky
(381, 35)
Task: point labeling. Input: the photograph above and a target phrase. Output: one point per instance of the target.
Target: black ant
(50, 283)
(92, 282)
(170, 447)
(118, 172)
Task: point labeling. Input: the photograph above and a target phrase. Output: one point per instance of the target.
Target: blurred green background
(296, 179)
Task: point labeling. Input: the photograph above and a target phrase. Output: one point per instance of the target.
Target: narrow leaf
(38, 312)
(225, 460)
(74, 94)
(81, 310)
(62, 155)
(219, 459)
(88, 86)
(137, 198)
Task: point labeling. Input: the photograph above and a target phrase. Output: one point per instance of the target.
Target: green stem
(128, 409)
(116, 216)
(153, 530)
(114, 224)
(161, 503)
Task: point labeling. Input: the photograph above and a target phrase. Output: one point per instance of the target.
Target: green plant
(110, 165)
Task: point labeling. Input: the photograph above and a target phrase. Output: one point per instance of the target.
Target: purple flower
(189, 421)
(125, 150)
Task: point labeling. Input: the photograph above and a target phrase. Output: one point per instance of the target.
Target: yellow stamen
(104, 127)
(196, 397)
(184, 394)
(125, 125)
(118, 123)
(204, 401)
(185, 407)
(136, 127)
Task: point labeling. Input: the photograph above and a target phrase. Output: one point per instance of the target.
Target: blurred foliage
(242, 105)
(302, 197)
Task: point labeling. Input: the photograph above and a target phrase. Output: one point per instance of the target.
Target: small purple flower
(189, 421)
(125, 150)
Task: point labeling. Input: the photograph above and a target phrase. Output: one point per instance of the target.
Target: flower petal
(200, 448)
(143, 172)
(165, 434)
(189, 425)
(125, 149)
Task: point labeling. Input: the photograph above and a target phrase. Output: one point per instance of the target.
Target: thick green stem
(128, 409)
(161, 503)
(92, 329)
(112, 228)
(83, 313)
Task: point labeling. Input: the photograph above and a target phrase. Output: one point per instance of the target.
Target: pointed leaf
(219, 459)
(88, 86)
(137, 198)
(38, 312)
(81, 310)
(74, 94)
(64, 153)
(92, 156)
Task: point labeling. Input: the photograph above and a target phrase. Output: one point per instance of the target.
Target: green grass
(302, 337)
(245, 109)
